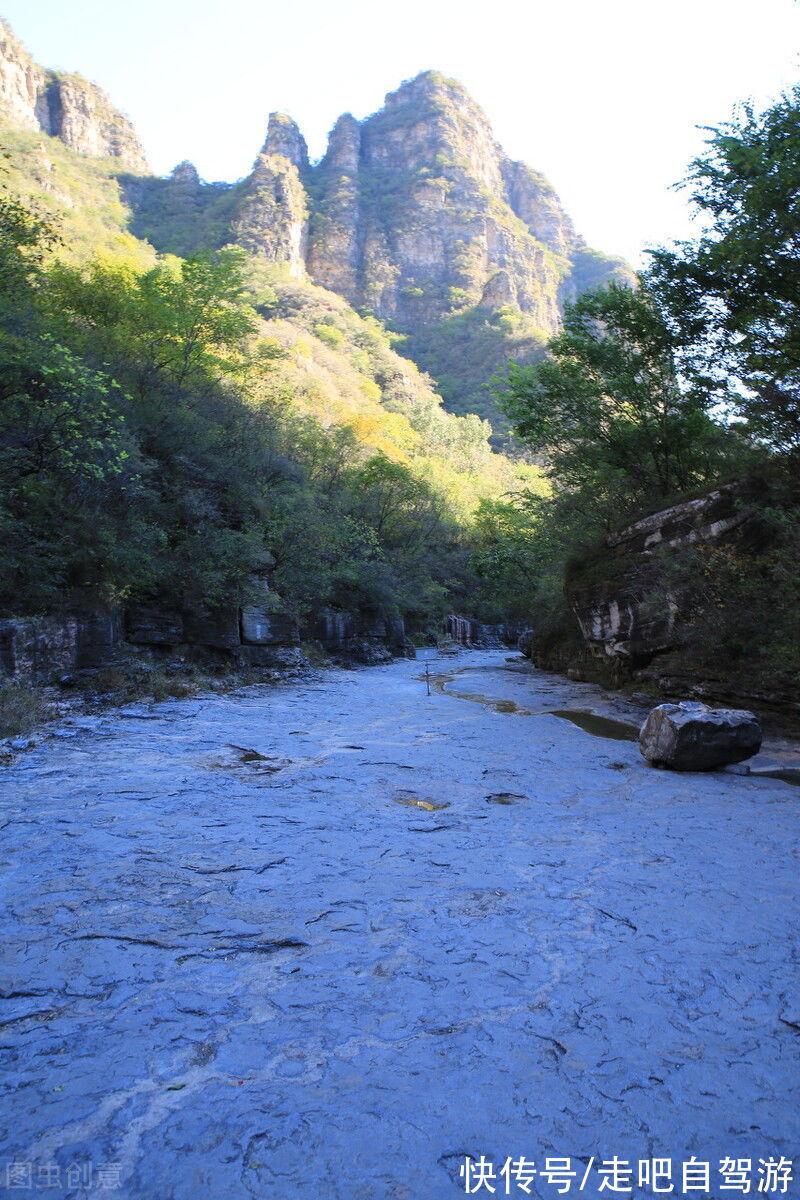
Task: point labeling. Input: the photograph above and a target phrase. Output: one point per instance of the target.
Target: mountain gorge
(190, 424)
(414, 215)
(275, 394)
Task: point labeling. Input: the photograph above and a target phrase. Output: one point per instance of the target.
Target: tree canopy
(732, 296)
(608, 409)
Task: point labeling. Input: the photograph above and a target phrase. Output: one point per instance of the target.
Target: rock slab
(690, 736)
(260, 627)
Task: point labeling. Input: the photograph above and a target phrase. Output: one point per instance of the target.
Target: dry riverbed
(330, 938)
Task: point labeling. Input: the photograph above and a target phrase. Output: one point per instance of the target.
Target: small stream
(589, 722)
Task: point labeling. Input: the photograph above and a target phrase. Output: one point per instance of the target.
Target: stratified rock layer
(626, 607)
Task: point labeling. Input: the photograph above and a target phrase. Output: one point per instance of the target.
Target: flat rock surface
(248, 952)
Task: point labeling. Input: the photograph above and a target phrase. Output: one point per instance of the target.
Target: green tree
(182, 320)
(56, 415)
(25, 238)
(507, 559)
(399, 508)
(733, 295)
(609, 411)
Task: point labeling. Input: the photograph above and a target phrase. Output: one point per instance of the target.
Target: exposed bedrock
(40, 649)
(627, 606)
(65, 106)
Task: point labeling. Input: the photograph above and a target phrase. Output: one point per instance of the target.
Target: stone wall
(462, 629)
(367, 637)
(40, 649)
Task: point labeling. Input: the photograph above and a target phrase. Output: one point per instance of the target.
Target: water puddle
(589, 722)
(439, 684)
(784, 774)
(606, 727)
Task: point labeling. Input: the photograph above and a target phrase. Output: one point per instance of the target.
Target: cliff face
(419, 213)
(415, 215)
(335, 251)
(63, 106)
(626, 606)
(22, 83)
(271, 216)
(418, 216)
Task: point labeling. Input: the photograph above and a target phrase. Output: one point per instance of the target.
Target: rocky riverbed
(331, 938)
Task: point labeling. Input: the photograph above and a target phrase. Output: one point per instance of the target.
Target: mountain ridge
(415, 215)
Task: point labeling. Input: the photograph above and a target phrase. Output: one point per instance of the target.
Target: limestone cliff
(415, 215)
(419, 213)
(63, 106)
(418, 216)
(271, 214)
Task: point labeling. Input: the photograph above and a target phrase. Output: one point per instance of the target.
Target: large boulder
(690, 736)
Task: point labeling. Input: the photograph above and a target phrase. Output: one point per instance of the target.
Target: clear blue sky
(603, 96)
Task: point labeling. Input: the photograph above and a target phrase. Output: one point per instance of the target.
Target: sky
(605, 97)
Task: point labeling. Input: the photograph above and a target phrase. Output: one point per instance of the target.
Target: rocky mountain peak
(344, 145)
(420, 217)
(428, 85)
(285, 139)
(68, 107)
(429, 123)
(415, 214)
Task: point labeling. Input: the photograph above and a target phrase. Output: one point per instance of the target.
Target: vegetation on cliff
(415, 215)
(650, 396)
(186, 412)
(170, 429)
(180, 418)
